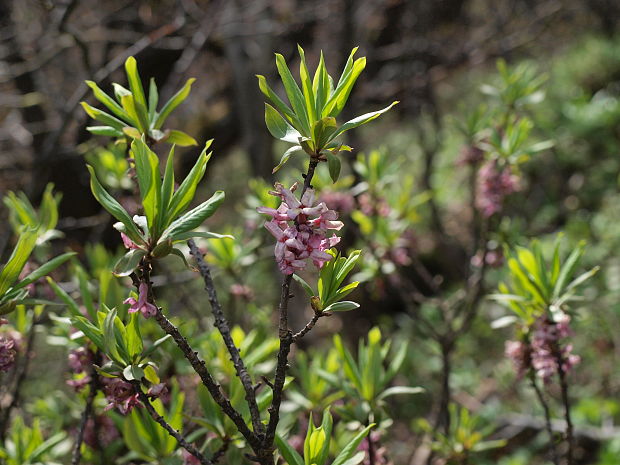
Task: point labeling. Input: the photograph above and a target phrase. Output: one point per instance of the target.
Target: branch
(306, 329)
(171, 431)
(286, 339)
(76, 457)
(566, 404)
(545, 406)
(221, 323)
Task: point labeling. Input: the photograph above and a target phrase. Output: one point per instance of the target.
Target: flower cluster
(544, 351)
(100, 431)
(80, 361)
(300, 228)
(120, 394)
(494, 183)
(9, 344)
(146, 308)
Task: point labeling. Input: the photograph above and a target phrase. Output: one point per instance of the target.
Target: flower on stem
(300, 228)
(120, 394)
(146, 308)
(494, 184)
(128, 243)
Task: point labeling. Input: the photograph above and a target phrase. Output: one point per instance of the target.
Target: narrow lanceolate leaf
(136, 112)
(135, 84)
(104, 117)
(351, 448)
(399, 390)
(113, 207)
(108, 101)
(343, 306)
(24, 247)
(195, 217)
(202, 234)
(167, 189)
(363, 119)
(279, 127)
(320, 86)
(340, 95)
(180, 138)
(292, 151)
(44, 269)
(306, 86)
(186, 191)
(174, 102)
(293, 93)
(149, 181)
(129, 262)
(279, 103)
(153, 99)
(322, 131)
(107, 131)
(305, 285)
(290, 455)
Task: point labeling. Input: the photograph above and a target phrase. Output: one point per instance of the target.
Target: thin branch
(566, 404)
(545, 406)
(164, 424)
(306, 329)
(76, 457)
(221, 323)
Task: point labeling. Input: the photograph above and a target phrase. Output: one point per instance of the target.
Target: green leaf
(136, 112)
(93, 333)
(155, 345)
(290, 455)
(153, 99)
(185, 194)
(133, 372)
(174, 102)
(333, 163)
(291, 151)
(135, 84)
(278, 102)
(195, 217)
(108, 101)
(113, 207)
(320, 86)
(202, 234)
(14, 266)
(343, 306)
(360, 120)
(167, 190)
(567, 270)
(279, 127)
(107, 131)
(293, 93)
(338, 99)
(351, 448)
(44, 269)
(104, 117)
(129, 262)
(65, 297)
(180, 138)
(109, 338)
(305, 285)
(306, 85)
(149, 181)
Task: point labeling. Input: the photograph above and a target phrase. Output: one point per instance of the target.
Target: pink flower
(128, 243)
(7, 353)
(519, 353)
(121, 395)
(493, 185)
(300, 229)
(146, 308)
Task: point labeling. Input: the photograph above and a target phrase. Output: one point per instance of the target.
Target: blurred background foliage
(402, 194)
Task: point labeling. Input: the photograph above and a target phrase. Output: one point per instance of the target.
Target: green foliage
(27, 446)
(317, 445)
(131, 115)
(465, 439)
(329, 296)
(537, 286)
(167, 220)
(310, 121)
(111, 165)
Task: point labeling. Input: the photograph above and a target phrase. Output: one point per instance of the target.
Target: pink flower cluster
(300, 228)
(120, 394)
(146, 308)
(541, 354)
(494, 184)
(9, 344)
(80, 361)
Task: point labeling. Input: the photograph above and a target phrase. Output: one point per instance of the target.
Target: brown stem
(545, 406)
(76, 457)
(171, 431)
(221, 323)
(306, 329)
(566, 403)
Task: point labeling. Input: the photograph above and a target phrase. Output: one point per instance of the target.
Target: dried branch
(76, 456)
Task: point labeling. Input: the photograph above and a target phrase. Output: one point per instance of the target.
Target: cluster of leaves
(310, 121)
(132, 115)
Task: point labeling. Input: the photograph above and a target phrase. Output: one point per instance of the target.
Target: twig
(199, 365)
(221, 323)
(306, 329)
(545, 406)
(171, 431)
(76, 457)
(566, 403)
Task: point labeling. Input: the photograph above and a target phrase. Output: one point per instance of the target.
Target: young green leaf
(174, 102)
